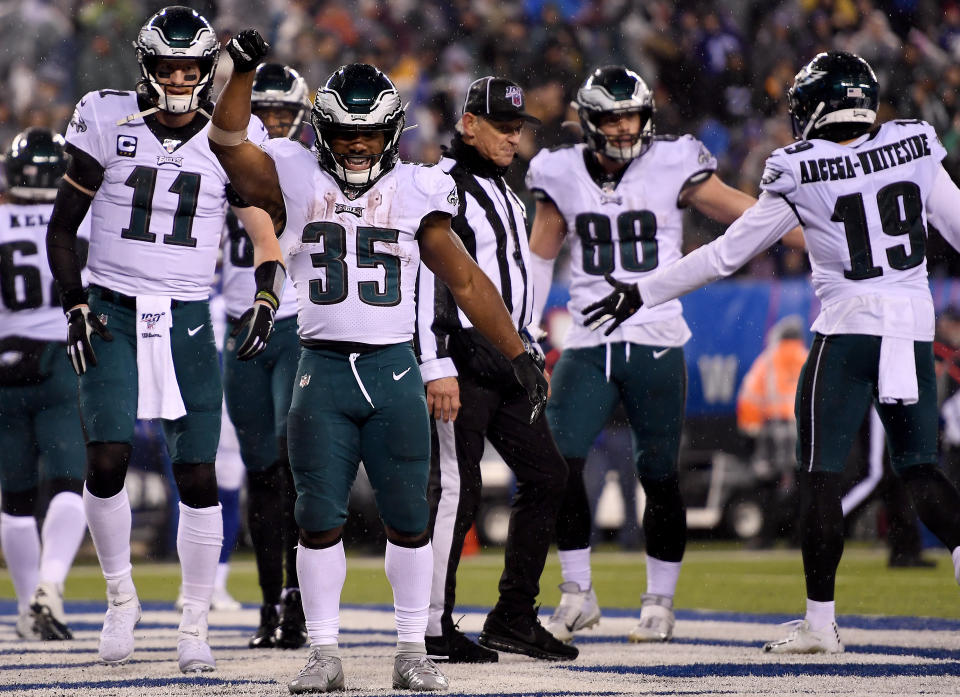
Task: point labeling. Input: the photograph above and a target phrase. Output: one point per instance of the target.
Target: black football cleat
(457, 647)
(291, 632)
(263, 639)
(524, 634)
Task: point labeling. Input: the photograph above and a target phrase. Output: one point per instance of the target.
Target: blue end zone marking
(9, 607)
(875, 649)
(779, 670)
(136, 682)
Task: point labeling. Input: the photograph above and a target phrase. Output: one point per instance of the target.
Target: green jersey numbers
(143, 181)
(901, 213)
(241, 248)
(636, 244)
(334, 286)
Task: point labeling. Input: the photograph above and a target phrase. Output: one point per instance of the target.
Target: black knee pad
(320, 540)
(665, 518)
(197, 483)
(107, 468)
(19, 503)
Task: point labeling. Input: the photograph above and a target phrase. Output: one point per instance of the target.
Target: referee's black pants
(499, 412)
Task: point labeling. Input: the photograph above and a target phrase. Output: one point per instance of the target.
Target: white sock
(220, 579)
(199, 539)
(410, 572)
(662, 576)
(819, 614)
(21, 548)
(63, 531)
(956, 563)
(575, 566)
(109, 521)
(322, 573)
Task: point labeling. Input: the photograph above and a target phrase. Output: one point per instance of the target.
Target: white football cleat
(578, 609)
(116, 637)
(193, 651)
(803, 639)
(47, 608)
(656, 619)
(27, 626)
(323, 673)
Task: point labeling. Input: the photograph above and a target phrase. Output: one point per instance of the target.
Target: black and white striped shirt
(491, 223)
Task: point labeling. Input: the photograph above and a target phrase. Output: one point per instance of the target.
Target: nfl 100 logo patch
(515, 95)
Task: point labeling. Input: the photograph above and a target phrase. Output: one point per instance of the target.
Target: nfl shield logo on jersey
(515, 95)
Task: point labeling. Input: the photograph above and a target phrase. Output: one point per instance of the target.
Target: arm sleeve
(942, 207)
(429, 340)
(68, 213)
(542, 273)
(84, 169)
(759, 227)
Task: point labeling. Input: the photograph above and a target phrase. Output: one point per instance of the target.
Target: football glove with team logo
(82, 325)
(247, 49)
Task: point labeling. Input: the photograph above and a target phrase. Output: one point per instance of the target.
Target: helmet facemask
(278, 87)
(177, 33)
(615, 90)
(339, 111)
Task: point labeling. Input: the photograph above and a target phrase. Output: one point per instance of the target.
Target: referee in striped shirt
(473, 395)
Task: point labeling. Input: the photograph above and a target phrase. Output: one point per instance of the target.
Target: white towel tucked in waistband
(898, 371)
(158, 391)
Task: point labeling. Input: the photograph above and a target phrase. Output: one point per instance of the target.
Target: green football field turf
(715, 577)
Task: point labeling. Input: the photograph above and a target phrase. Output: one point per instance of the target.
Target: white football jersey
(862, 207)
(158, 215)
(29, 299)
(354, 262)
(627, 229)
(239, 285)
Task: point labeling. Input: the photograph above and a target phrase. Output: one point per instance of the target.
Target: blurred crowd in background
(719, 69)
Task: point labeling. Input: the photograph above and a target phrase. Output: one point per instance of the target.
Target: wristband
(227, 139)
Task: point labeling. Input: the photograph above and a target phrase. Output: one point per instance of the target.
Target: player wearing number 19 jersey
(140, 337)
(864, 195)
(619, 201)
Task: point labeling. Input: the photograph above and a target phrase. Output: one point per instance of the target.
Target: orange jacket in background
(770, 386)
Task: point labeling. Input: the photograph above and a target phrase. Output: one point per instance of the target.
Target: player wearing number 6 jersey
(140, 336)
(619, 201)
(864, 195)
(41, 439)
(355, 224)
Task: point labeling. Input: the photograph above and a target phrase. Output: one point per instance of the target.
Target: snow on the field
(712, 654)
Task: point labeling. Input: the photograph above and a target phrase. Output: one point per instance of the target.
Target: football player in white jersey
(140, 337)
(618, 199)
(355, 226)
(258, 392)
(39, 419)
(864, 194)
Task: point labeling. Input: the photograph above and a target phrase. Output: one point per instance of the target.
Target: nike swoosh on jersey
(397, 377)
(193, 331)
(660, 353)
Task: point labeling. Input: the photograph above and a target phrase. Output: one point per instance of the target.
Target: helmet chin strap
(812, 120)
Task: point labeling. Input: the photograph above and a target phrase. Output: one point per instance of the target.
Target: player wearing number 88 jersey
(140, 336)
(618, 200)
(864, 195)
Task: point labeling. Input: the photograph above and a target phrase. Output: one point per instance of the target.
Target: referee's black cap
(498, 99)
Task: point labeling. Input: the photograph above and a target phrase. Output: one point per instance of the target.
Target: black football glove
(531, 345)
(247, 49)
(619, 306)
(81, 326)
(258, 321)
(531, 379)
